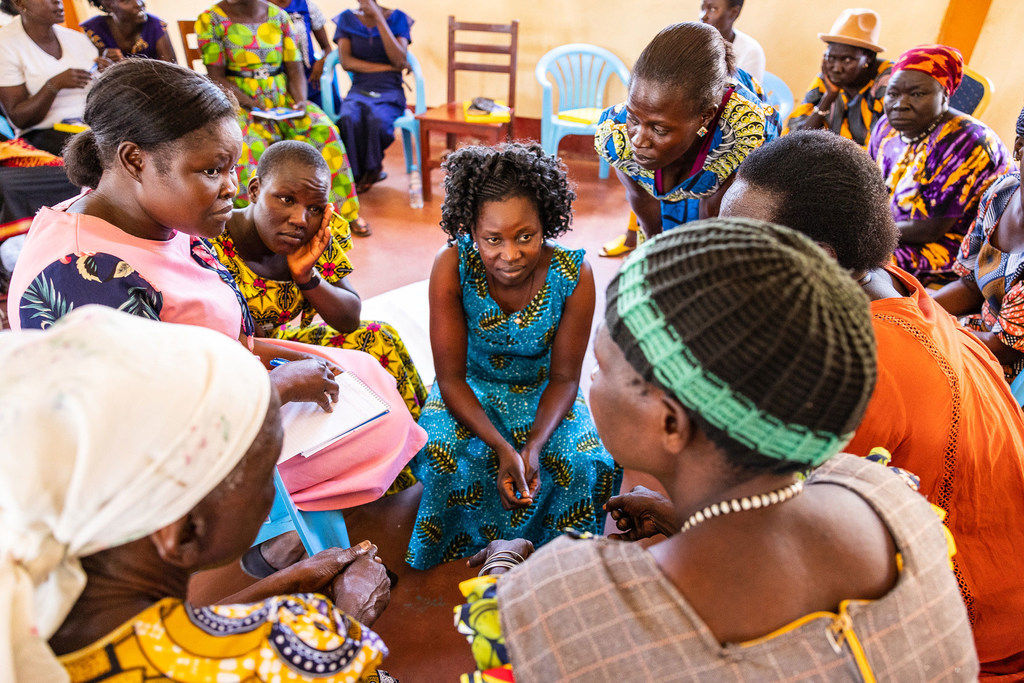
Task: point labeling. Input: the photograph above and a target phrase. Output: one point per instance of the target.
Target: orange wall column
(70, 14)
(961, 27)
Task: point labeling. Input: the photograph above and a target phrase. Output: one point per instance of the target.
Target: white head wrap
(111, 427)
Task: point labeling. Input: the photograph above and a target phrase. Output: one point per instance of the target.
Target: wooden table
(450, 119)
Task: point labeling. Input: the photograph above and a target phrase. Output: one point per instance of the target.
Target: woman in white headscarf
(109, 501)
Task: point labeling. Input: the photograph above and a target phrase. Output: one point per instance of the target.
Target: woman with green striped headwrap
(735, 355)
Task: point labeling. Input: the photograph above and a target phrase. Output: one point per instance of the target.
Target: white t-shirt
(749, 55)
(22, 62)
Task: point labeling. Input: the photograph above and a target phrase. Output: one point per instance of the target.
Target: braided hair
(479, 174)
(765, 341)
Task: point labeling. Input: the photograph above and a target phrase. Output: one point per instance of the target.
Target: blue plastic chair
(318, 530)
(779, 95)
(407, 123)
(973, 95)
(1017, 388)
(580, 72)
(6, 128)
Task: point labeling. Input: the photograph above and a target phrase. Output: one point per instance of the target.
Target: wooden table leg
(425, 160)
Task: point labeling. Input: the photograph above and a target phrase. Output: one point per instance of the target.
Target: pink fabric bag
(359, 468)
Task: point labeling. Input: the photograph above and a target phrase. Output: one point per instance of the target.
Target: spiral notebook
(308, 429)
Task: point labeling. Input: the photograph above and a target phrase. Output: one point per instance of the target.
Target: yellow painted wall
(999, 55)
(787, 29)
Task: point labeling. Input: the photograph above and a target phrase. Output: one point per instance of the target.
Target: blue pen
(278, 362)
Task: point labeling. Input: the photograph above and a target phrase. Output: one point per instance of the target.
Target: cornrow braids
(1020, 124)
(479, 174)
(762, 338)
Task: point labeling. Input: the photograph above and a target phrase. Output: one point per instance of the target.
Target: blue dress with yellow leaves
(508, 360)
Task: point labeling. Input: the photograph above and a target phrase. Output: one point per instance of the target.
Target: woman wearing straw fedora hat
(846, 97)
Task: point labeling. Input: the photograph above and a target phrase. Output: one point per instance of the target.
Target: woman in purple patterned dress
(937, 162)
(127, 28)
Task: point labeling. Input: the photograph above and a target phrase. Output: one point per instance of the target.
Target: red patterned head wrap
(943, 63)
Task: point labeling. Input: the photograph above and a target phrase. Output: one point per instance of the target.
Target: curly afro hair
(828, 188)
(98, 4)
(481, 174)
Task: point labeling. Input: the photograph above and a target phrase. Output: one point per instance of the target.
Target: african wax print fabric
(850, 117)
(257, 51)
(944, 64)
(99, 32)
(744, 123)
(943, 175)
(282, 312)
(508, 363)
(999, 275)
(300, 637)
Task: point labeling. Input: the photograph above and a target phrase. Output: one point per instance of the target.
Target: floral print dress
(280, 309)
(254, 57)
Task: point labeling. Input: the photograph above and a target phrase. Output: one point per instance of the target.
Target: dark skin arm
(350, 63)
(963, 297)
(567, 352)
(925, 230)
(337, 303)
(393, 47)
(218, 74)
(165, 51)
(325, 44)
(296, 80)
(960, 297)
(645, 206)
(26, 110)
(709, 206)
(448, 339)
(815, 120)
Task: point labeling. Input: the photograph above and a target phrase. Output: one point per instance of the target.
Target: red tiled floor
(417, 626)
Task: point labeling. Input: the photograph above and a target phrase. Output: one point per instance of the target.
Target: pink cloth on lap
(315, 482)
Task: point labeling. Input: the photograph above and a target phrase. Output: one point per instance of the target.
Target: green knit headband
(675, 366)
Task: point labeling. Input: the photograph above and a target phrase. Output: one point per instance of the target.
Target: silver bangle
(823, 112)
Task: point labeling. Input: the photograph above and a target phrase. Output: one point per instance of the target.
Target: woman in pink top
(161, 160)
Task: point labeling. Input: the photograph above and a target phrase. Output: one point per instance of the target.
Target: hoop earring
(476, 247)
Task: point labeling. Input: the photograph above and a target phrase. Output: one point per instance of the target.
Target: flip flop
(360, 228)
(616, 247)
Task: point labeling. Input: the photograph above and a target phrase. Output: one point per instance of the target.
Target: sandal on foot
(255, 565)
(616, 247)
(360, 228)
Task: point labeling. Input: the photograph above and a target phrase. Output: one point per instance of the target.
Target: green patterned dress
(508, 361)
(254, 57)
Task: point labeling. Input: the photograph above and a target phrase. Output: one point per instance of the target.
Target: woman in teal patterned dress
(509, 323)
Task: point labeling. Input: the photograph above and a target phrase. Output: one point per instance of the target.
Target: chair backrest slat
(460, 51)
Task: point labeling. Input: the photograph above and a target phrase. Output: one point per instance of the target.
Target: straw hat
(857, 27)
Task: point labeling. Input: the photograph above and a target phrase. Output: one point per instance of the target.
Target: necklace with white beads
(745, 503)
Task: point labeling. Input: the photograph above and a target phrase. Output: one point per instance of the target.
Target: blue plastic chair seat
(580, 72)
(318, 530)
(779, 95)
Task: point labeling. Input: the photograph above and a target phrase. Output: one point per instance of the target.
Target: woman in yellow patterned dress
(94, 568)
(286, 251)
(249, 48)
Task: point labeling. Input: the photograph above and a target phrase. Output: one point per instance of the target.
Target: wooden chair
(450, 118)
(187, 28)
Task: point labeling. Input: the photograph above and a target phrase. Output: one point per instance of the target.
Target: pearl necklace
(745, 503)
(922, 135)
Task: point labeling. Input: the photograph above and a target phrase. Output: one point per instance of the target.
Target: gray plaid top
(599, 610)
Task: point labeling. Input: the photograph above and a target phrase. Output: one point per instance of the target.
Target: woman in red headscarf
(936, 161)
